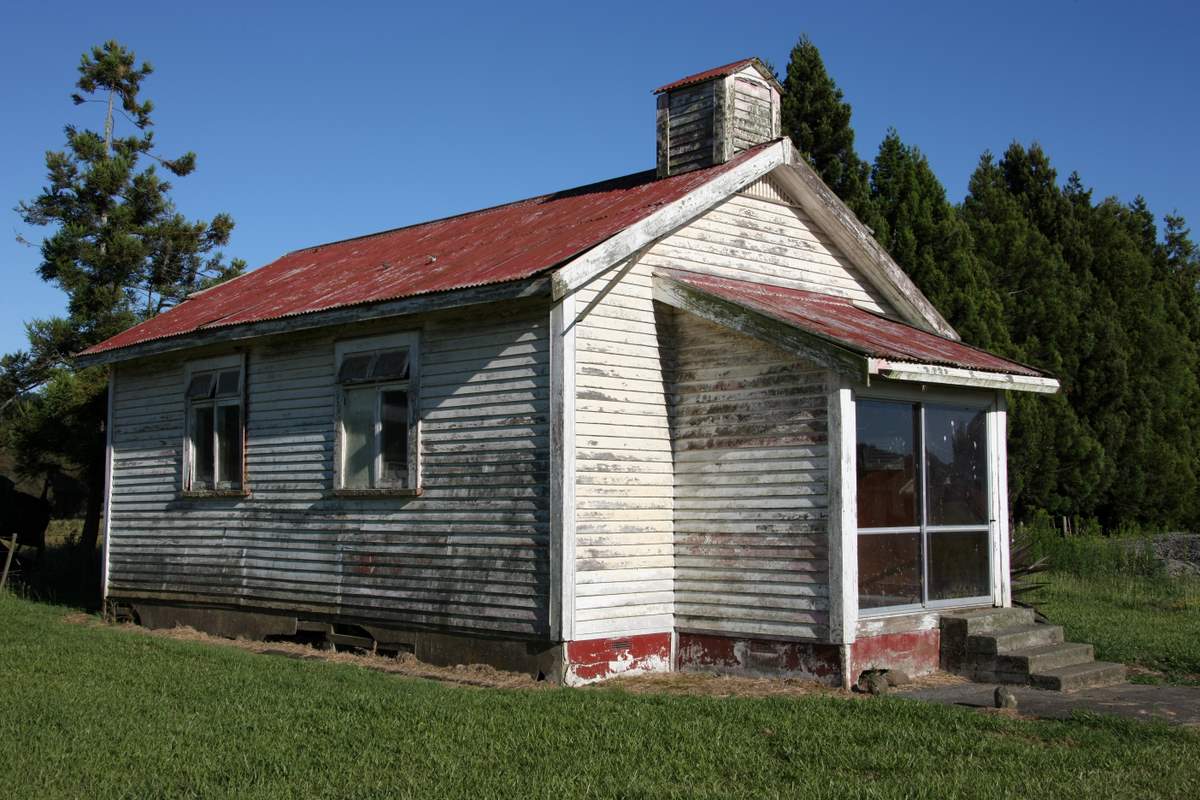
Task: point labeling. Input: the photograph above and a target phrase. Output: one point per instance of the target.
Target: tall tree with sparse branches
(120, 251)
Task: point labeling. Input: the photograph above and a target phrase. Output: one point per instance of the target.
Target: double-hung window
(924, 504)
(377, 421)
(215, 425)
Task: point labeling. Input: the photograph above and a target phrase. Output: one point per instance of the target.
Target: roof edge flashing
(537, 286)
(914, 372)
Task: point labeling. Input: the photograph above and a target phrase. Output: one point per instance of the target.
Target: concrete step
(1079, 676)
(985, 620)
(1021, 637)
(1044, 658)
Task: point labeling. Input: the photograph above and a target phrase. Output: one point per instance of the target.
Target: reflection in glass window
(215, 443)
(203, 461)
(390, 365)
(377, 422)
(956, 465)
(889, 569)
(958, 564)
(358, 439)
(394, 431)
(229, 444)
(923, 505)
(887, 471)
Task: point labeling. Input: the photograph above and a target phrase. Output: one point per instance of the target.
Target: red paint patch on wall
(915, 652)
(596, 659)
(758, 656)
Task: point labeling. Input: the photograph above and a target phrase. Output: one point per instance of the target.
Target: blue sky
(315, 122)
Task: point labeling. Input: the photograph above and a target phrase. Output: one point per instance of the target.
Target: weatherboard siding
(753, 112)
(623, 497)
(629, 503)
(690, 126)
(759, 235)
(749, 423)
(470, 554)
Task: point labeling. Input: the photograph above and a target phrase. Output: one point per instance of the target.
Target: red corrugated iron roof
(495, 245)
(840, 321)
(708, 74)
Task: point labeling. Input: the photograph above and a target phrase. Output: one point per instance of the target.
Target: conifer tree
(1091, 294)
(1055, 463)
(925, 235)
(816, 117)
(119, 250)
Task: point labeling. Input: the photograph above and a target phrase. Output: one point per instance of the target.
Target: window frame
(987, 402)
(370, 344)
(216, 365)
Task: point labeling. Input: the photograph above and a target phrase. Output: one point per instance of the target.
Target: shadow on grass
(65, 575)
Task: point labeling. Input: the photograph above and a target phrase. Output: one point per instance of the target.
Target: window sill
(203, 494)
(378, 492)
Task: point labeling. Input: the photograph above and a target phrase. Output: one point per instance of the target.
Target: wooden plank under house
(689, 418)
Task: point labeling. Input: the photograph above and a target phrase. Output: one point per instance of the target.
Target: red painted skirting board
(914, 652)
(596, 659)
(758, 656)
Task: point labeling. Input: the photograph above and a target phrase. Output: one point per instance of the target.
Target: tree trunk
(95, 505)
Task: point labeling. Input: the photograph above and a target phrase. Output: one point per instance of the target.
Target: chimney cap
(721, 72)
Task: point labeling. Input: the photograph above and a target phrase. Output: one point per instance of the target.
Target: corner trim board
(562, 488)
(1002, 588)
(108, 483)
(843, 500)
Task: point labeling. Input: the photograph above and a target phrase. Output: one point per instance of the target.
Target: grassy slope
(111, 713)
(1153, 622)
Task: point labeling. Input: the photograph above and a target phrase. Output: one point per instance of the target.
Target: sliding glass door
(923, 504)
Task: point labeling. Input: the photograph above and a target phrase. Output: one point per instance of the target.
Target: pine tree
(1091, 294)
(121, 253)
(1014, 210)
(817, 119)
(925, 235)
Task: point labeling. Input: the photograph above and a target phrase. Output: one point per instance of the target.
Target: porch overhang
(834, 333)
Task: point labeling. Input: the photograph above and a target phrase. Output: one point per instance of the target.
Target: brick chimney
(707, 118)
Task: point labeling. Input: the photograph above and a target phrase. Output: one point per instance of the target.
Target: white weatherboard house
(694, 417)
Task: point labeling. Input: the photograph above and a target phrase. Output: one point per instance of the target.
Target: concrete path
(1178, 705)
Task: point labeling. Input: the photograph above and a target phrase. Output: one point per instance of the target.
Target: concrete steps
(1006, 645)
(1045, 657)
(1079, 676)
(1019, 637)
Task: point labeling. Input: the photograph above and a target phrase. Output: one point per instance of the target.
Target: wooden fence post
(12, 548)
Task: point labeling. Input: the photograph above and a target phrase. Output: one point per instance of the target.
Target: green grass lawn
(1151, 622)
(97, 712)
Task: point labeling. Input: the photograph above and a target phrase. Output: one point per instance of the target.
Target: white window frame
(216, 364)
(391, 341)
(991, 403)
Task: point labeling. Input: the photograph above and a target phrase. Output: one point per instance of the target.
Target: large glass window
(377, 427)
(923, 510)
(215, 441)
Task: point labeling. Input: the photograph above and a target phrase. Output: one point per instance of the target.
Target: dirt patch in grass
(695, 684)
(404, 664)
(935, 679)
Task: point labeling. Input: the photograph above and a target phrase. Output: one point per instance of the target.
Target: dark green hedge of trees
(1039, 270)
